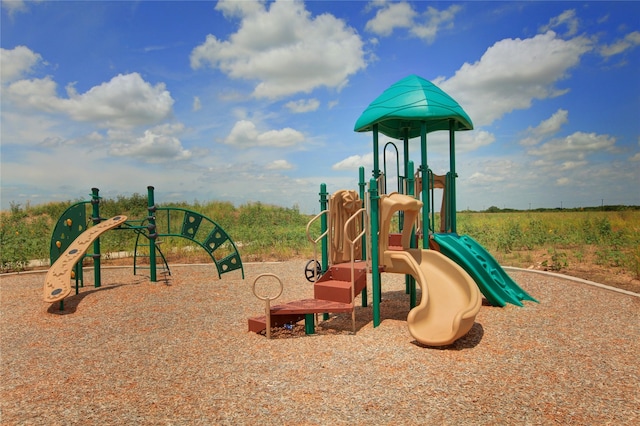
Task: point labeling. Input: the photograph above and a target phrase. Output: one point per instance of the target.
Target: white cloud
(546, 127)
(402, 15)
(19, 128)
(438, 142)
(14, 6)
(470, 141)
(485, 179)
(124, 101)
(575, 146)
(158, 144)
(434, 21)
(636, 157)
(354, 162)
(197, 106)
(279, 165)
(245, 134)
(567, 18)
(239, 9)
(284, 48)
(303, 105)
(390, 17)
(569, 165)
(551, 125)
(512, 73)
(17, 62)
(630, 41)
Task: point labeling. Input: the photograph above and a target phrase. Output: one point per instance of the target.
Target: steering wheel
(309, 272)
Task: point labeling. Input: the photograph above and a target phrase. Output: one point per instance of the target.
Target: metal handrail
(315, 241)
(351, 242)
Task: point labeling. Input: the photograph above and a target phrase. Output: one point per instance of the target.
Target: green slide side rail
(496, 285)
(184, 223)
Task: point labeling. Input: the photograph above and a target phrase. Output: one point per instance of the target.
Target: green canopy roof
(409, 103)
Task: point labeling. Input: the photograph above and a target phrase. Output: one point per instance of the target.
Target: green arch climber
(168, 222)
(185, 223)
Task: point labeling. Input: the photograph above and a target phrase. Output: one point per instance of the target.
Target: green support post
(309, 324)
(405, 158)
(425, 186)
(95, 217)
(376, 156)
(375, 255)
(324, 199)
(452, 167)
(153, 234)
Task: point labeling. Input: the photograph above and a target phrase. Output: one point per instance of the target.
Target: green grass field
(560, 240)
(579, 242)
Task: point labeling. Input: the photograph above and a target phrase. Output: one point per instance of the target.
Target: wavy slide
(450, 298)
(496, 285)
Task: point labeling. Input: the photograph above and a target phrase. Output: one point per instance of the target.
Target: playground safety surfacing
(178, 352)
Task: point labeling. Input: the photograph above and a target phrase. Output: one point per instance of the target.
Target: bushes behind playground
(546, 239)
(261, 232)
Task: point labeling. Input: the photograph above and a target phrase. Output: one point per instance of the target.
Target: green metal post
(408, 279)
(425, 186)
(153, 234)
(375, 255)
(452, 167)
(407, 176)
(309, 324)
(324, 198)
(376, 157)
(95, 217)
(363, 186)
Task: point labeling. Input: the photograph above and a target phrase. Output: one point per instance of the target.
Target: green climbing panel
(71, 224)
(202, 231)
(190, 224)
(216, 239)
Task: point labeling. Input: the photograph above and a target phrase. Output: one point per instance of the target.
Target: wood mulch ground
(178, 352)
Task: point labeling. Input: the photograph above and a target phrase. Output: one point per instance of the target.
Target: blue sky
(256, 101)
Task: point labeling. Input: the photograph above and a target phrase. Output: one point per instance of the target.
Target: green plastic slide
(494, 283)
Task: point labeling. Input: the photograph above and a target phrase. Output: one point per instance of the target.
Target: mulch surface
(178, 352)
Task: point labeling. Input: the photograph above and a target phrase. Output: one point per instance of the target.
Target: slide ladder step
(295, 311)
(335, 284)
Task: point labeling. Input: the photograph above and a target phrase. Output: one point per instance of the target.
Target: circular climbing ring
(266, 297)
(309, 272)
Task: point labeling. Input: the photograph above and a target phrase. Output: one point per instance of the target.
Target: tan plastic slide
(450, 297)
(57, 283)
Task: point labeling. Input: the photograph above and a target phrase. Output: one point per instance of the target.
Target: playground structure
(72, 238)
(450, 269)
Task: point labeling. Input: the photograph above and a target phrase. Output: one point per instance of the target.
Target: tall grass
(610, 239)
(261, 232)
